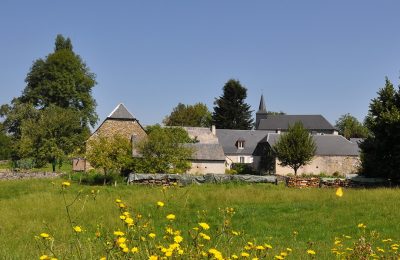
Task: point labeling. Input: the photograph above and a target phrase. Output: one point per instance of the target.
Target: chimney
(213, 130)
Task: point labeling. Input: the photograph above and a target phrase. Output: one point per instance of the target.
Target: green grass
(266, 213)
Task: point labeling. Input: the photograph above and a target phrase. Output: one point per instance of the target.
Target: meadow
(263, 214)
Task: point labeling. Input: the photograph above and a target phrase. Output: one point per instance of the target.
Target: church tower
(262, 112)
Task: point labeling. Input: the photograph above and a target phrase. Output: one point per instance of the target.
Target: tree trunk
(53, 164)
(295, 170)
(105, 175)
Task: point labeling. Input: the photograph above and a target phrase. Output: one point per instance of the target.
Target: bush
(95, 178)
(23, 164)
(243, 168)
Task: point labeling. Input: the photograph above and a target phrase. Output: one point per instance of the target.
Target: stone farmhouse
(218, 149)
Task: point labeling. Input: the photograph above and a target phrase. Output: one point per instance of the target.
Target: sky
(305, 57)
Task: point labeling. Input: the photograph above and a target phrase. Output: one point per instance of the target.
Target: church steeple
(262, 112)
(261, 107)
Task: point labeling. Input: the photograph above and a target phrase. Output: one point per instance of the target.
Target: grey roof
(207, 152)
(202, 134)
(228, 138)
(326, 144)
(310, 122)
(120, 112)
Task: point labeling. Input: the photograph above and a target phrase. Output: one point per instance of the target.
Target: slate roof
(228, 138)
(121, 112)
(202, 134)
(326, 145)
(310, 122)
(207, 152)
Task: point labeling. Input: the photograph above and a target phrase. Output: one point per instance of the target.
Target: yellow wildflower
(44, 257)
(126, 213)
(180, 251)
(121, 240)
(279, 257)
(44, 235)
(284, 254)
(135, 250)
(204, 225)
(66, 184)
(169, 230)
(103, 258)
(77, 229)
(125, 250)
(244, 254)
(121, 205)
(310, 252)
(270, 247)
(178, 239)
(160, 204)
(153, 257)
(119, 233)
(339, 192)
(289, 249)
(380, 249)
(361, 225)
(204, 236)
(235, 233)
(260, 248)
(152, 235)
(171, 217)
(118, 201)
(234, 257)
(129, 221)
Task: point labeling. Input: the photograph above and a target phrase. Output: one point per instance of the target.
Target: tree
(350, 127)
(196, 115)
(51, 135)
(164, 150)
(5, 144)
(380, 151)
(295, 148)
(109, 153)
(62, 79)
(230, 110)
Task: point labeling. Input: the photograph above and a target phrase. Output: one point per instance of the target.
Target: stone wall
(9, 175)
(126, 128)
(324, 164)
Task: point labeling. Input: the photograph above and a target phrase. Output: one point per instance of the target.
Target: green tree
(5, 144)
(350, 127)
(230, 110)
(62, 79)
(380, 152)
(196, 115)
(164, 151)
(51, 135)
(109, 153)
(295, 148)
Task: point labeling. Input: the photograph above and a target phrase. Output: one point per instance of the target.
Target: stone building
(121, 122)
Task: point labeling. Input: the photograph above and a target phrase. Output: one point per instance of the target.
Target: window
(241, 159)
(240, 144)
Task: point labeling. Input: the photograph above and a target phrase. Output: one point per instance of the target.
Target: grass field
(264, 214)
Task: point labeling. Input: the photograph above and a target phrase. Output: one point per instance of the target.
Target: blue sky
(307, 57)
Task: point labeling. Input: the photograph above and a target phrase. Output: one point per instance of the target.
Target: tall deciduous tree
(380, 154)
(62, 79)
(295, 148)
(230, 110)
(350, 127)
(164, 151)
(196, 115)
(5, 144)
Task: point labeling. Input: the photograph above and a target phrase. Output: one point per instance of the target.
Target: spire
(262, 107)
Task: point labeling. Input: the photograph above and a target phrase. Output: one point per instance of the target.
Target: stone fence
(9, 175)
(353, 182)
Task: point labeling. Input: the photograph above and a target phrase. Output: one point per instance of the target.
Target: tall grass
(264, 213)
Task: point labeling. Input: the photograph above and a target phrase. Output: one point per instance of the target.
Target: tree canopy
(230, 110)
(295, 148)
(380, 152)
(62, 79)
(53, 115)
(164, 151)
(196, 115)
(350, 127)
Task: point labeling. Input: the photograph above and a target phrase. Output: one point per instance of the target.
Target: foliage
(243, 168)
(61, 82)
(196, 115)
(350, 127)
(5, 144)
(295, 148)
(230, 110)
(62, 79)
(164, 151)
(93, 177)
(380, 154)
(276, 113)
(109, 153)
(51, 136)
